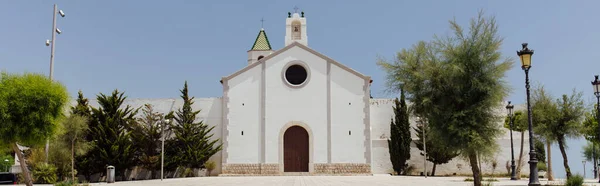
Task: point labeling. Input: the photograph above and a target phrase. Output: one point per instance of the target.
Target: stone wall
(342, 168)
(251, 169)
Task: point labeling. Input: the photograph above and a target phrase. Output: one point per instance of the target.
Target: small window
(260, 57)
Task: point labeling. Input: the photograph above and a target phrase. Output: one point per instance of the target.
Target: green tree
(191, 145)
(399, 142)
(519, 120)
(5, 165)
(31, 107)
(437, 151)
(588, 149)
(559, 120)
(147, 138)
(82, 108)
(545, 115)
(110, 128)
(456, 82)
(74, 131)
(84, 164)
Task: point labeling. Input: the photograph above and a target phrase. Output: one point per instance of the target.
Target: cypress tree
(191, 145)
(399, 143)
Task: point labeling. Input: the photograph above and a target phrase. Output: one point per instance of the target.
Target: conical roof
(262, 42)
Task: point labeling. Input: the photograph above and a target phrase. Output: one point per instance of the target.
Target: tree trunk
(433, 169)
(549, 162)
(475, 168)
(519, 163)
(561, 146)
(73, 161)
(24, 169)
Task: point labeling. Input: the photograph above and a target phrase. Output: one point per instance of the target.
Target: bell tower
(295, 28)
(261, 47)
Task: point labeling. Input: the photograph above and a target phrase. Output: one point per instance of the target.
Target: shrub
(210, 166)
(541, 166)
(65, 183)
(575, 180)
(44, 173)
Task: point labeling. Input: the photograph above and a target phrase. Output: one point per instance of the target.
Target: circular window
(296, 74)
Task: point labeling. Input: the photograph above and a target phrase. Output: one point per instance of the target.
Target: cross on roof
(295, 9)
(262, 21)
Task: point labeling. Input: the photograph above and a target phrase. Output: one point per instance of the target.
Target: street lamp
(424, 147)
(6, 160)
(525, 56)
(509, 108)
(162, 148)
(596, 85)
(48, 43)
(583, 162)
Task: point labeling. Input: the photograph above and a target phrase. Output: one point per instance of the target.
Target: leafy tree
(147, 138)
(587, 151)
(399, 143)
(519, 120)
(82, 108)
(565, 121)
(191, 146)
(456, 82)
(110, 128)
(75, 128)
(5, 165)
(437, 151)
(545, 114)
(31, 106)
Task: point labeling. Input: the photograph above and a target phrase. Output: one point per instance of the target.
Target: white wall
(285, 104)
(244, 115)
(347, 117)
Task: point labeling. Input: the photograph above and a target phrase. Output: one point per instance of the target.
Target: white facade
(347, 130)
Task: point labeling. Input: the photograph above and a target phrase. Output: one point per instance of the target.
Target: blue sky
(149, 48)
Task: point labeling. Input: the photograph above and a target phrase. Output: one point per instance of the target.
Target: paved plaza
(326, 180)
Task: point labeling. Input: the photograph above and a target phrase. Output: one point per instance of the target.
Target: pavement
(328, 180)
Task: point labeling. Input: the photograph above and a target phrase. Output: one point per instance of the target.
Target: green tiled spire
(262, 42)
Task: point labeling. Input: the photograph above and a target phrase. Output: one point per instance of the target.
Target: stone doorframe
(310, 144)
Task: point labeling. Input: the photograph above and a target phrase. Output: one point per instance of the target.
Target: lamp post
(6, 160)
(583, 162)
(162, 148)
(52, 42)
(596, 85)
(509, 108)
(594, 159)
(424, 147)
(525, 56)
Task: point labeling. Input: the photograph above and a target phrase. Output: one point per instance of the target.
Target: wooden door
(295, 150)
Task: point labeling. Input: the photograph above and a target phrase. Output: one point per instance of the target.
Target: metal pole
(513, 175)
(533, 171)
(51, 65)
(583, 168)
(598, 121)
(425, 150)
(162, 152)
(594, 159)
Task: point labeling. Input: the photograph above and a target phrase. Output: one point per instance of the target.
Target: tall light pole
(596, 85)
(525, 56)
(162, 148)
(509, 108)
(6, 160)
(52, 42)
(583, 162)
(424, 147)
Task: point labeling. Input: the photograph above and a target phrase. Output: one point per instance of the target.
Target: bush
(575, 180)
(65, 183)
(541, 166)
(210, 166)
(44, 173)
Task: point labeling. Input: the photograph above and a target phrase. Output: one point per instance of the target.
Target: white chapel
(297, 111)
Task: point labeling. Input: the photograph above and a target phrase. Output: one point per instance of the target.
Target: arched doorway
(295, 150)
